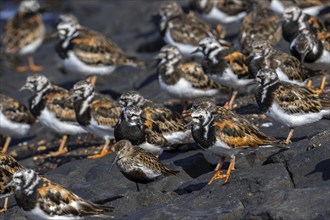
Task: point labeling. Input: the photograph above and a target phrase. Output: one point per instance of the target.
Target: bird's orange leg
(31, 66)
(231, 167)
(62, 148)
(319, 90)
(5, 206)
(288, 139)
(218, 173)
(229, 104)
(5, 147)
(104, 151)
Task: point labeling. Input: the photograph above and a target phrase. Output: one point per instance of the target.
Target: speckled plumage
(138, 165)
(288, 67)
(223, 11)
(131, 127)
(89, 52)
(181, 77)
(23, 29)
(312, 47)
(157, 116)
(8, 166)
(291, 98)
(294, 17)
(39, 198)
(184, 30)
(230, 128)
(268, 26)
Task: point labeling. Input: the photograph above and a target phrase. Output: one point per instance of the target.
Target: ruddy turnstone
(8, 166)
(287, 67)
(170, 123)
(96, 113)
(223, 11)
(139, 165)
(88, 52)
(312, 7)
(226, 66)
(131, 127)
(221, 131)
(312, 47)
(268, 26)
(53, 109)
(15, 119)
(24, 33)
(288, 103)
(184, 30)
(39, 198)
(293, 18)
(183, 78)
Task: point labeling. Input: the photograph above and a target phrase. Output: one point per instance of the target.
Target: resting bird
(39, 198)
(8, 166)
(289, 104)
(223, 132)
(15, 119)
(24, 33)
(138, 165)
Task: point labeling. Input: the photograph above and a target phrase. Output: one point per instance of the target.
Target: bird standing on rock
(287, 67)
(15, 119)
(131, 127)
(185, 30)
(183, 78)
(223, 132)
(39, 198)
(24, 33)
(53, 109)
(287, 103)
(8, 166)
(170, 123)
(138, 165)
(88, 52)
(223, 11)
(96, 113)
(227, 67)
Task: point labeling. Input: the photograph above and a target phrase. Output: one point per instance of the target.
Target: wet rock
(304, 204)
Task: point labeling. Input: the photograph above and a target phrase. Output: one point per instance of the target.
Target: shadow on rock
(322, 167)
(195, 165)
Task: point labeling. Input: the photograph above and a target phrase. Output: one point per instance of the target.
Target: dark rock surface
(268, 183)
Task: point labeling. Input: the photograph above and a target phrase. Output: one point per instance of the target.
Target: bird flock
(197, 62)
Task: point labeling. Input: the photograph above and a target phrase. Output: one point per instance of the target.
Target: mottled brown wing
(295, 99)
(268, 27)
(57, 200)
(57, 101)
(94, 48)
(290, 65)
(20, 31)
(156, 138)
(146, 158)
(231, 7)
(15, 111)
(8, 166)
(106, 113)
(188, 29)
(309, 3)
(194, 74)
(239, 64)
(163, 119)
(238, 132)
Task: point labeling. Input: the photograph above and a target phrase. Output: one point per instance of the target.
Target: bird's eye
(200, 117)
